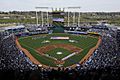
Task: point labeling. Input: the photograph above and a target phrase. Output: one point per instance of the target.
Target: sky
(86, 5)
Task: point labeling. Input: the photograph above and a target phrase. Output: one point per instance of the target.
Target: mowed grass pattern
(33, 42)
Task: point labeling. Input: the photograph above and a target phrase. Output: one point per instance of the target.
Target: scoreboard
(58, 18)
(58, 21)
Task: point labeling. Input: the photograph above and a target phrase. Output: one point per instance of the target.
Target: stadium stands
(104, 64)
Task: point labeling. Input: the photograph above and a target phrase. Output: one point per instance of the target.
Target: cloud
(87, 5)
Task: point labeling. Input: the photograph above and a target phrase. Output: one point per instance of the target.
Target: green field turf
(33, 42)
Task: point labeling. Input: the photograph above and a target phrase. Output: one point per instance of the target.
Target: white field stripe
(50, 57)
(69, 56)
(72, 54)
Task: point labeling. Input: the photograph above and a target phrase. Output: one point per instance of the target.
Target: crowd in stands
(11, 58)
(104, 64)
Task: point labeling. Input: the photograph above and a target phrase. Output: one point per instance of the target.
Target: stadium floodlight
(42, 15)
(73, 15)
(73, 7)
(42, 7)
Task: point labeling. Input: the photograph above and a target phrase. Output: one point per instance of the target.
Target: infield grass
(53, 53)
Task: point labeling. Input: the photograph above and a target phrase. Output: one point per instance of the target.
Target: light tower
(74, 16)
(42, 17)
(70, 9)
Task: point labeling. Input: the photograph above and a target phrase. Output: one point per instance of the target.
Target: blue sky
(86, 5)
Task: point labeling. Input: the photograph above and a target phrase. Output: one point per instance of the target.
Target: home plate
(59, 53)
(40, 65)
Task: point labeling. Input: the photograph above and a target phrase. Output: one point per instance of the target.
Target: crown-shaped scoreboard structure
(58, 15)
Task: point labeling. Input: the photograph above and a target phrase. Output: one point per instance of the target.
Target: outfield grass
(83, 41)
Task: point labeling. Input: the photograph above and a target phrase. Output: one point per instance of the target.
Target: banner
(62, 38)
(58, 19)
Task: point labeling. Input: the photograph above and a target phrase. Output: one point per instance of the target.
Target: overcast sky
(86, 5)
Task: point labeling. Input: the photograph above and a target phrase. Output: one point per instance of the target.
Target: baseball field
(58, 49)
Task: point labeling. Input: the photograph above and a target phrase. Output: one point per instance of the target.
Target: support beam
(47, 19)
(36, 18)
(79, 19)
(68, 19)
(42, 18)
(74, 18)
